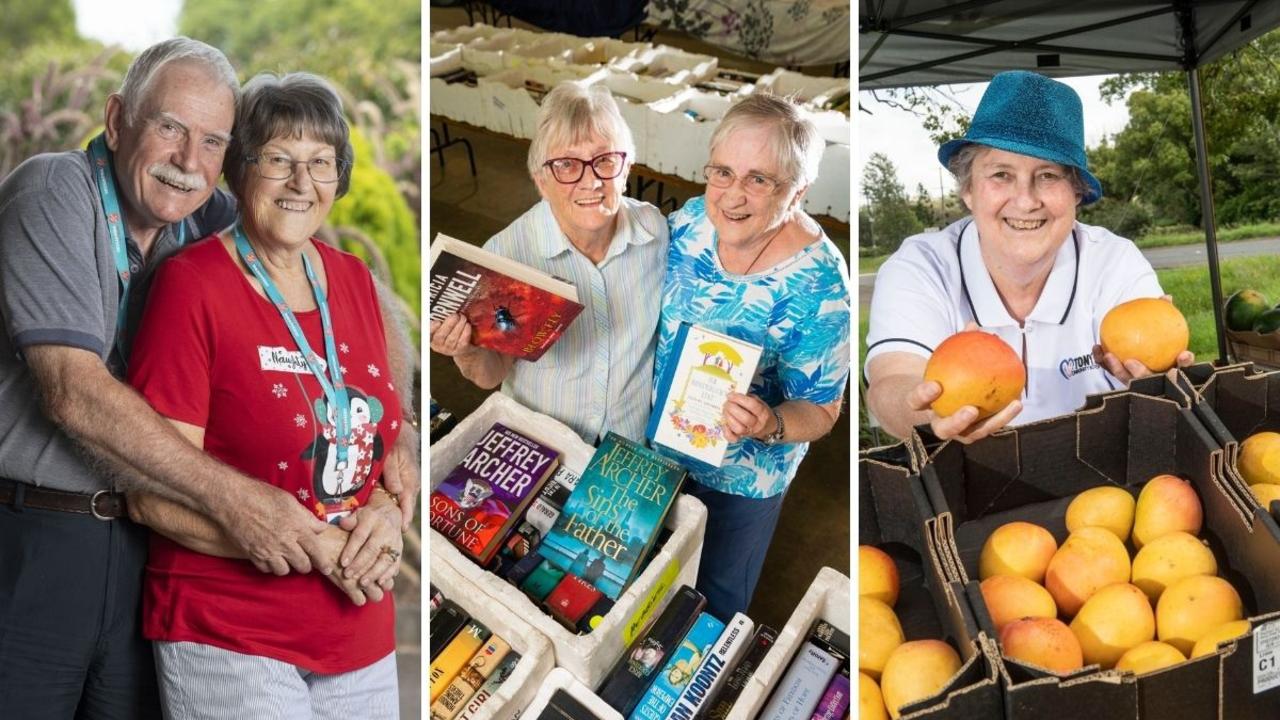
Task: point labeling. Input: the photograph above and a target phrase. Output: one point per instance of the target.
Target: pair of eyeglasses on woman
(278, 166)
(720, 176)
(569, 170)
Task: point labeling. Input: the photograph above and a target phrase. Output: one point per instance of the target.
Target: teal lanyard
(331, 382)
(100, 158)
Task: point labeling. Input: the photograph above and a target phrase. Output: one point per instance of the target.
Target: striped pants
(202, 682)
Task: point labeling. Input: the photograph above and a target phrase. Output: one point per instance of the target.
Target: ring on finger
(391, 553)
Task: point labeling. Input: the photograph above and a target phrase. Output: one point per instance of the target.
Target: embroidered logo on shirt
(1073, 366)
(279, 359)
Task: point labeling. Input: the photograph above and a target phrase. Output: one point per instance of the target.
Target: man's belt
(104, 504)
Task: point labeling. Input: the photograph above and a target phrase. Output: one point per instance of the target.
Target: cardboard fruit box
(1235, 402)
(588, 657)
(895, 516)
(1032, 472)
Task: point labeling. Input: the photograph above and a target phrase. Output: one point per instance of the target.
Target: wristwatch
(776, 437)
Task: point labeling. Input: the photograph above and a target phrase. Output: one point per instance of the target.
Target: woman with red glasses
(613, 249)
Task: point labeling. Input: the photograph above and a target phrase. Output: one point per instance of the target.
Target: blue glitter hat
(1030, 114)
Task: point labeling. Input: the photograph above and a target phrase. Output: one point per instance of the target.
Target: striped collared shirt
(597, 377)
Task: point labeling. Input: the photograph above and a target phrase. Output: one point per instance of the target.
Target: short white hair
(143, 70)
(573, 113)
(797, 144)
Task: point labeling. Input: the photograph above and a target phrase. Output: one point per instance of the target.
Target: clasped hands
(367, 544)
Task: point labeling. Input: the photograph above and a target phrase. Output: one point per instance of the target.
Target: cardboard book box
(895, 516)
(1031, 473)
(1235, 402)
(826, 599)
(536, 658)
(588, 657)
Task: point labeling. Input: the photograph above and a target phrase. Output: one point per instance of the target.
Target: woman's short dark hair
(290, 106)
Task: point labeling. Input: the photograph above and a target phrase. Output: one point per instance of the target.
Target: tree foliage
(890, 216)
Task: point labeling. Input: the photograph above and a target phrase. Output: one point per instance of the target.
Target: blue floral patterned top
(798, 311)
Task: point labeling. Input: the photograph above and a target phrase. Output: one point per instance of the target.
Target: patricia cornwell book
(477, 503)
(610, 522)
(513, 309)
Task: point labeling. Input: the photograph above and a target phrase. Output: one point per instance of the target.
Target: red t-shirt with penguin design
(211, 352)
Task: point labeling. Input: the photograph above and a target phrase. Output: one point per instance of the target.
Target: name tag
(279, 359)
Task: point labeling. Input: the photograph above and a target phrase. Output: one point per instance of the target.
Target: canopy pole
(1206, 211)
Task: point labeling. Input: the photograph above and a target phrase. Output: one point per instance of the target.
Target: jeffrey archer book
(479, 501)
(706, 366)
(513, 309)
(612, 518)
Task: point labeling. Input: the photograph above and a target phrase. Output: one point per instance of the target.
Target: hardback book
(613, 516)
(445, 624)
(513, 309)
(477, 670)
(688, 415)
(714, 669)
(564, 706)
(491, 685)
(630, 677)
(797, 694)
(479, 501)
(681, 665)
(455, 656)
(724, 700)
(835, 702)
(542, 581)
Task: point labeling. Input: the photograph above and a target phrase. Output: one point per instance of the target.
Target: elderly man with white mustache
(80, 233)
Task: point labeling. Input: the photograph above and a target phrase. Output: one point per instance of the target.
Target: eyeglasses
(278, 166)
(569, 170)
(753, 183)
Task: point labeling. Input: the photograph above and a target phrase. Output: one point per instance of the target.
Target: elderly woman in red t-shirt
(266, 347)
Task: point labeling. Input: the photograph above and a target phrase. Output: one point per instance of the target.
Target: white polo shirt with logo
(936, 283)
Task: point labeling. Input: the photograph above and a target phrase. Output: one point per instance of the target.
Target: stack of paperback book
(571, 544)
(816, 684)
(468, 662)
(687, 664)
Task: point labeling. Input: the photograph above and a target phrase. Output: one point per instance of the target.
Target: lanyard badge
(104, 172)
(330, 378)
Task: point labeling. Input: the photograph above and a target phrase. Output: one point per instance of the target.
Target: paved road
(1160, 258)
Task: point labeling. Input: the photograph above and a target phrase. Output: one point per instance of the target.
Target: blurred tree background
(52, 94)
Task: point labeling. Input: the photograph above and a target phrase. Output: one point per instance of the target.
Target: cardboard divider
(536, 658)
(895, 516)
(828, 599)
(588, 657)
(1032, 472)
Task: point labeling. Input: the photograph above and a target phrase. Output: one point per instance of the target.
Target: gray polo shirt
(58, 286)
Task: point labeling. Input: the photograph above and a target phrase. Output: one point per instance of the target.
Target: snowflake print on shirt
(300, 420)
(344, 348)
(279, 390)
(373, 370)
(282, 465)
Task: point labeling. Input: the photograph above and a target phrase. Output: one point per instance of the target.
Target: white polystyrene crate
(445, 58)
(669, 64)
(829, 194)
(468, 33)
(588, 657)
(456, 101)
(678, 143)
(488, 55)
(508, 106)
(828, 599)
(560, 678)
(604, 50)
(804, 88)
(536, 656)
(633, 93)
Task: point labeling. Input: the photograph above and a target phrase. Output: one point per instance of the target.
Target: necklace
(763, 247)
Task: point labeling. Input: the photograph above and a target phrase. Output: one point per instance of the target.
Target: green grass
(871, 263)
(1196, 237)
(1189, 287)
